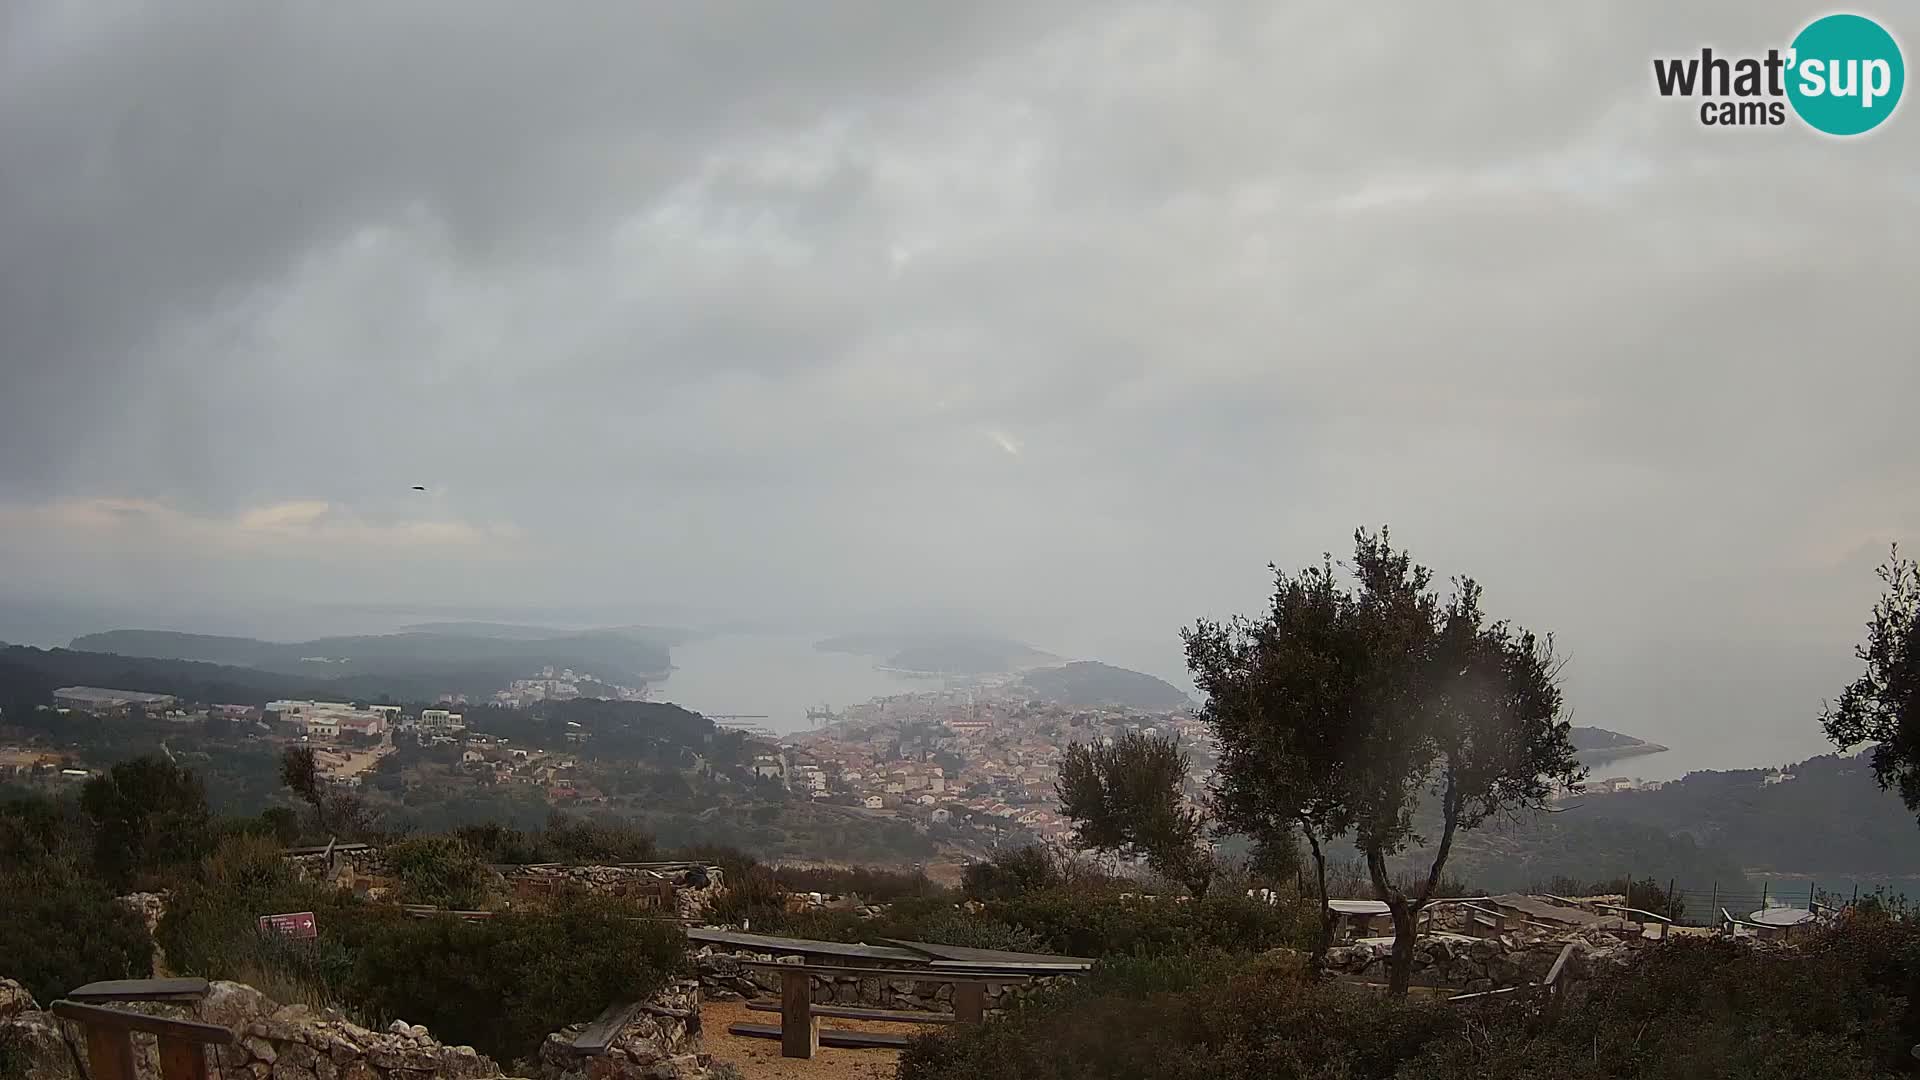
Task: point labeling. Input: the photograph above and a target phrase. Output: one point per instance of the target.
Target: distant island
(1594, 745)
(1090, 684)
(940, 654)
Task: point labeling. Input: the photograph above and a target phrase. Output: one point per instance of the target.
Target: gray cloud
(1073, 316)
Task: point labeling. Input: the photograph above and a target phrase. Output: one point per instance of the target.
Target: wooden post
(1763, 894)
(182, 1059)
(110, 1053)
(1716, 900)
(969, 1001)
(799, 1028)
(1671, 900)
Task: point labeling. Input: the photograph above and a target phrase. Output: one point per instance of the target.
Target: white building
(873, 802)
(440, 721)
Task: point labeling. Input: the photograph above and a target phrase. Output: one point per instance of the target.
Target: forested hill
(480, 663)
(28, 677)
(1090, 684)
(1824, 818)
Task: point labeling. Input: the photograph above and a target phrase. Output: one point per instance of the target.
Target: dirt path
(759, 1059)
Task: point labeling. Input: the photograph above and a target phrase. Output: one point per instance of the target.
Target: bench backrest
(109, 1032)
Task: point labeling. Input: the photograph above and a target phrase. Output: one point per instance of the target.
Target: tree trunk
(1324, 942)
(1400, 962)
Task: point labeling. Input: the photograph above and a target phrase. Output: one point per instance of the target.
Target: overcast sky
(1064, 317)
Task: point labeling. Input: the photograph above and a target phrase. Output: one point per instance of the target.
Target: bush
(1259, 1019)
(1012, 873)
(211, 927)
(149, 815)
(870, 884)
(497, 984)
(60, 929)
(1083, 923)
(1838, 1006)
(438, 870)
(501, 984)
(565, 839)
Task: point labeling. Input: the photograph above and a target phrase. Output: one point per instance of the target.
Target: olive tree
(1882, 706)
(1126, 796)
(1276, 693)
(1360, 696)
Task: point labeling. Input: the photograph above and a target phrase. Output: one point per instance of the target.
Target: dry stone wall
(1491, 963)
(295, 1042)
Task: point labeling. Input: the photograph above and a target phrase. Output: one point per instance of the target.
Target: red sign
(297, 925)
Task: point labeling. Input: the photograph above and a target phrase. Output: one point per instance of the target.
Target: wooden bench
(109, 1034)
(800, 1034)
(1640, 917)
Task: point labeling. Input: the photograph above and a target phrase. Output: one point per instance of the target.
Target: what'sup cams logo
(1842, 75)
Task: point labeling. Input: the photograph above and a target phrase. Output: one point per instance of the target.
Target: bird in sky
(419, 487)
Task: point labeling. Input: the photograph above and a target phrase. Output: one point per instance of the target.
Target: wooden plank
(941, 975)
(768, 943)
(182, 1059)
(831, 1037)
(93, 1016)
(799, 1028)
(997, 958)
(970, 1002)
(599, 1034)
(849, 1012)
(141, 990)
(110, 1053)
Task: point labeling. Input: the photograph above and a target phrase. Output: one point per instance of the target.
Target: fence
(1701, 905)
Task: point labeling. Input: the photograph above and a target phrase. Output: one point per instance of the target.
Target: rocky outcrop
(31, 1041)
(150, 906)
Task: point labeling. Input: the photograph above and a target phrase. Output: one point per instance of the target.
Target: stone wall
(694, 885)
(724, 978)
(295, 1042)
(1492, 963)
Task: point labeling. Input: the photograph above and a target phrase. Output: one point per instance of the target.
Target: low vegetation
(1838, 1007)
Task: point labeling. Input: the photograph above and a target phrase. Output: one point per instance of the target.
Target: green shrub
(1092, 923)
(1259, 1019)
(869, 883)
(1837, 1006)
(60, 929)
(211, 927)
(502, 984)
(1011, 874)
(439, 870)
(149, 816)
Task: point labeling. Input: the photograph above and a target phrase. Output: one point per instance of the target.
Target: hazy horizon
(1061, 320)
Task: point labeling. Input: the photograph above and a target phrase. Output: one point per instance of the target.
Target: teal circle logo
(1846, 74)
